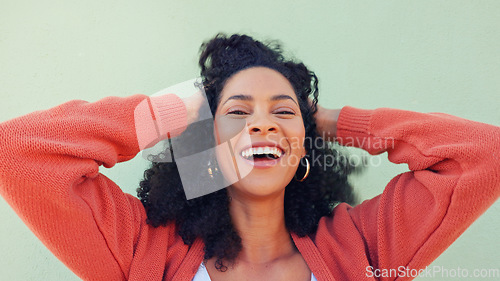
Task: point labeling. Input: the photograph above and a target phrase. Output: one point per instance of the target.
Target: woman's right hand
(195, 106)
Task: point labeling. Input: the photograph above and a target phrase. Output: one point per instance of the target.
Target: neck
(261, 226)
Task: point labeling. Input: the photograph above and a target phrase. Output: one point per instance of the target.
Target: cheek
(226, 129)
(228, 133)
(295, 135)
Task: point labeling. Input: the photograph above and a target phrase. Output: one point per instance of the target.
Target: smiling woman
(290, 214)
(254, 94)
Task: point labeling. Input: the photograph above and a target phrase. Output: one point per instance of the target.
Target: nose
(261, 125)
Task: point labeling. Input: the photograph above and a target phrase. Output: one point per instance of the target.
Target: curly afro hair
(208, 217)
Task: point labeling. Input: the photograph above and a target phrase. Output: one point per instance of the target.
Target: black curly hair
(207, 217)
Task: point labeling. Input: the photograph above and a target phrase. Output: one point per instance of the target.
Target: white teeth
(261, 150)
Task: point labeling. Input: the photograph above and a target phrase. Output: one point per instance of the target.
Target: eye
(285, 112)
(237, 112)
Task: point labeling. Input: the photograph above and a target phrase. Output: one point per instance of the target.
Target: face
(259, 124)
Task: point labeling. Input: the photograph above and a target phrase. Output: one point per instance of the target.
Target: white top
(202, 274)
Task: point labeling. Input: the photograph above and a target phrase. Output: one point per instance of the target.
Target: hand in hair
(326, 122)
(194, 104)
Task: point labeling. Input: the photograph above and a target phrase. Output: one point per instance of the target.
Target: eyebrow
(250, 98)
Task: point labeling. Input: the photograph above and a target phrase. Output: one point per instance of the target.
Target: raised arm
(454, 178)
(49, 174)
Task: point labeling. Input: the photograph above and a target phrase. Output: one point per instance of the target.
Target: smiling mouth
(262, 153)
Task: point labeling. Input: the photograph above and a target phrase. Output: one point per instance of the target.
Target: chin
(258, 186)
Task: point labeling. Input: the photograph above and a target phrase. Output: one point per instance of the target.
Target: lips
(266, 151)
(262, 154)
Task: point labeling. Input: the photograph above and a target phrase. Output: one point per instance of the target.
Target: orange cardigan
(49, 174)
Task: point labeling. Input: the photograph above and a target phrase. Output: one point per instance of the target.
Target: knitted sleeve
(49, 174)
(454, 177)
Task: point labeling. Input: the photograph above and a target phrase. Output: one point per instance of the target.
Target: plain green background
(427, 56)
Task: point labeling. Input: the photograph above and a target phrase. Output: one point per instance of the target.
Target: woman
(267, 225)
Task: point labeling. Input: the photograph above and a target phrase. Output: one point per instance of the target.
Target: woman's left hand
(326, 122)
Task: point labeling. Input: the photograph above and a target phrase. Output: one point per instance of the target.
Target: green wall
(428, 56)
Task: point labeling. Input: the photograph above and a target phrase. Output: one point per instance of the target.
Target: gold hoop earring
(308, 168)
(210, 170)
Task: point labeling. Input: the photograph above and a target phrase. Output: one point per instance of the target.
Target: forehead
(258, 82)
